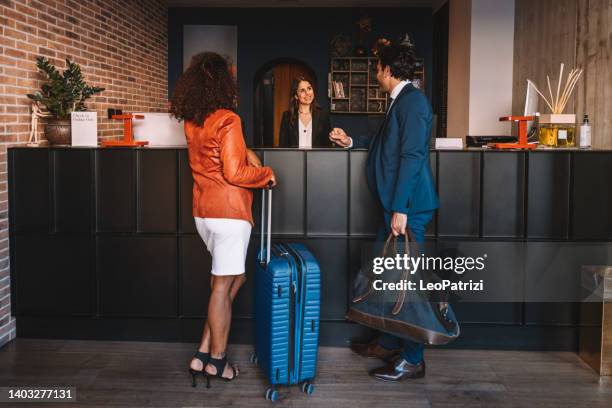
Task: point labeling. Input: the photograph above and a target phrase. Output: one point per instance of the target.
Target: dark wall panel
(29, 173)
(548, 195)
(73, 190)
(157, 195)
(327, 192)
(459, 190)
(364, 209)
(592, 215)
(53, 274)
(288, 196)
(116, 188)
(503, 194)
(137, 276)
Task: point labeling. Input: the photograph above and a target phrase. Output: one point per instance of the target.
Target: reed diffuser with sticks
(558, 129)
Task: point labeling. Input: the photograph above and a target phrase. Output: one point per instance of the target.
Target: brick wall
(121, 45)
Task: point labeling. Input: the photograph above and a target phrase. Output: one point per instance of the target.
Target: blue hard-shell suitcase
(287, 309)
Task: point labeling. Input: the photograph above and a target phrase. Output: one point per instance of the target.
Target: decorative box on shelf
(353, 87)
(557, 130)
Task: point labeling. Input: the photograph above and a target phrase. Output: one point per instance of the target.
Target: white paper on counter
(84, 128)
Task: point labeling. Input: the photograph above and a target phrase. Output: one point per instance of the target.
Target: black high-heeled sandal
(204, 358)
(219, 364)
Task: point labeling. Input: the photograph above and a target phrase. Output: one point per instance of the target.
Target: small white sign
(84, 128)
(449, 143)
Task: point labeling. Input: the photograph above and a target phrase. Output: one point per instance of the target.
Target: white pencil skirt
(227, 240)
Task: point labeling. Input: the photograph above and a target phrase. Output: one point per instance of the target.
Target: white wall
(491, 63)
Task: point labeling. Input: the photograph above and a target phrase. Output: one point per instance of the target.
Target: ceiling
(304, 3)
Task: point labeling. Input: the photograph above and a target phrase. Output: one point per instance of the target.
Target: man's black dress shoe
(398, 371)
(374, 350)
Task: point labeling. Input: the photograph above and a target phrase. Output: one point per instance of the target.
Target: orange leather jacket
(221, 175)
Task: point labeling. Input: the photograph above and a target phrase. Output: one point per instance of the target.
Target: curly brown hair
(206, 86)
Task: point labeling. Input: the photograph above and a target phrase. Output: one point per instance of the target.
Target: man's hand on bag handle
(398, 223)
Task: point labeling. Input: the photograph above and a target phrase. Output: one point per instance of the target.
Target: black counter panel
(195, 265)
(29, 190)
(187, 225)
(244, 304)
(54, 274)
(459, 192)
(157, 191)
(116, 190)
(288, 197)
(326, 203)
(333, 258)
(137, 276)
(503, 176)
(73, 188)
(548, 195)
(103, 242)
(363, 208)
(592, 196)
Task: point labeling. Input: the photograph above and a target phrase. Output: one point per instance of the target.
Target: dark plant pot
(57, 132)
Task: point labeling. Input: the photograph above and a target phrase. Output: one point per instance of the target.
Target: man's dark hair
(207, 85)
(399, 58)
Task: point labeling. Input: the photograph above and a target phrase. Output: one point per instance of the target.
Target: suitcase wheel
(271, 395)
(253, 358)
(307, 387)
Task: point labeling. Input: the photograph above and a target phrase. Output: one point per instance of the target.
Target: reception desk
(103, 243)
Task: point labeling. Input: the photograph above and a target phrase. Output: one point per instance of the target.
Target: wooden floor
(136, 374)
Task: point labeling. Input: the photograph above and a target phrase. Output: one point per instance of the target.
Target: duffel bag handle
(391, 239)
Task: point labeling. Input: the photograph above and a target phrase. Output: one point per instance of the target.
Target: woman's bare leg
(206, 339)
(219, 320)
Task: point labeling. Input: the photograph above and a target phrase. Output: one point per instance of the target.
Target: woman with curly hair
(223, 173)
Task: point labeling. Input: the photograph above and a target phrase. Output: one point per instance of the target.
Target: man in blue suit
(399, 175)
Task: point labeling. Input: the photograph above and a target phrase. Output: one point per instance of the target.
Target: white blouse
(305, 134)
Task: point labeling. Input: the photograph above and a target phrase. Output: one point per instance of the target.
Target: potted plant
(61, 94)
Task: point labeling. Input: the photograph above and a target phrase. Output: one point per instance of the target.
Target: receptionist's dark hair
(294, 105)
(400, 58)
(206, 85)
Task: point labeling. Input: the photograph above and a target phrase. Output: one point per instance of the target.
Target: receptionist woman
(305, 124)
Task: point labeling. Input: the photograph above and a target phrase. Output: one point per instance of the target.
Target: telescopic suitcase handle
(265, 221)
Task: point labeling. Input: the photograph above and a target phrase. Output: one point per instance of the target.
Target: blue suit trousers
(411, 350)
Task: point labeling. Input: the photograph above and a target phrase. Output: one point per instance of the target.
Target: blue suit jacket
(398, 170)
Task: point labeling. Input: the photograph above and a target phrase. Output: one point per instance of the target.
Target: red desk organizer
(128, 138)
(522, 140)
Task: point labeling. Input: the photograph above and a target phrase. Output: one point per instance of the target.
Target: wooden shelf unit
(362, 94)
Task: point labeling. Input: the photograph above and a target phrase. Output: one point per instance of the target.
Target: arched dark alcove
(271, 87)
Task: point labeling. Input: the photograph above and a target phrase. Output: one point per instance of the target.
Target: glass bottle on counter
(585, 133)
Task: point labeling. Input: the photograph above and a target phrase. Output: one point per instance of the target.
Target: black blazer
(288, 135)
